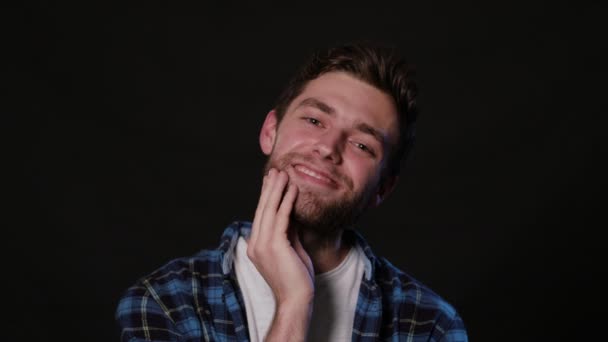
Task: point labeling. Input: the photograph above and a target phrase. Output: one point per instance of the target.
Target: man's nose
(330, 146)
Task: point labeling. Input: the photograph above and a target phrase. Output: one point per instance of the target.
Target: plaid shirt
(198, 299)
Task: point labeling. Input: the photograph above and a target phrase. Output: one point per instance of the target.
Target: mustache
(294, 158)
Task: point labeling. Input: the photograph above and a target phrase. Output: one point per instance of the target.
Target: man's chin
(324, 219)
(312, 206)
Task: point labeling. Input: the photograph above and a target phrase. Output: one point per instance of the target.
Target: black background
(132, 139)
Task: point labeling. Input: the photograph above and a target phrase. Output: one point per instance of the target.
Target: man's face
(333, 142)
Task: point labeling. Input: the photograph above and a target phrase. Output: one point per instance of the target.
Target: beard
(312, 211)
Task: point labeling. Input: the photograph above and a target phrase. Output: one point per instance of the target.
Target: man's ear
(268, 132)
(385, 188)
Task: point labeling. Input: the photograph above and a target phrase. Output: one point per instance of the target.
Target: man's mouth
(315, 175)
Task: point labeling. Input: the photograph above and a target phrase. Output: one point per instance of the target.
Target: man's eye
(364, 148)
(313, 121)
(361, 146)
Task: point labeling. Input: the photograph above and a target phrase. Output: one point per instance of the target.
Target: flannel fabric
(198, 299)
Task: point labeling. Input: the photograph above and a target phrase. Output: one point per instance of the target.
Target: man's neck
(325, 253)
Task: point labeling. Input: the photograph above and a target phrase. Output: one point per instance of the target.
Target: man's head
(381, 67)
(340, 129)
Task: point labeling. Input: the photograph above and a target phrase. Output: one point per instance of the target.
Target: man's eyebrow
(362, 126)
(365, 128)
(320, 105)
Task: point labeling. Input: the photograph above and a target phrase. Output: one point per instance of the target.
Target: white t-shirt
(336, 294)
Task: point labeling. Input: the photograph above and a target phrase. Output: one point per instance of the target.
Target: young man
(298, 271)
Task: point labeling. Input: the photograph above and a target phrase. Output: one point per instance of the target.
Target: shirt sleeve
(142, 318)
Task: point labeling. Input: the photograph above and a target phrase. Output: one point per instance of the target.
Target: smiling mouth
(314, 176)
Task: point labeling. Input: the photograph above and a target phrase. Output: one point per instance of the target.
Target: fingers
(282, 218)
(275, 191)
(274, 208)
(260, 208)
(255, 227)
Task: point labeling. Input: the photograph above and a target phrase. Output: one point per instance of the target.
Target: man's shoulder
(181, 298)
(400, 288)
(172, 285)
(166, 303)
(203, 266)
(204, 269)
(413, 309)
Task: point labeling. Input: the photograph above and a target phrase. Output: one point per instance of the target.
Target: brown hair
(381, 67)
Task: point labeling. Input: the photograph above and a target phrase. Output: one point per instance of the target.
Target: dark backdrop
(134, 140)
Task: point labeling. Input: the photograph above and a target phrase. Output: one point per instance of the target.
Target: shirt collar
(236, 229)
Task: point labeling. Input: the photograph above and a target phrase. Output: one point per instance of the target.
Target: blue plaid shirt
(198, 299)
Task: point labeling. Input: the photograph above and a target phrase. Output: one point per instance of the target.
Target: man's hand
(277, 253)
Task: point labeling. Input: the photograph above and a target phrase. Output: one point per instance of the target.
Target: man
(298, 271)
